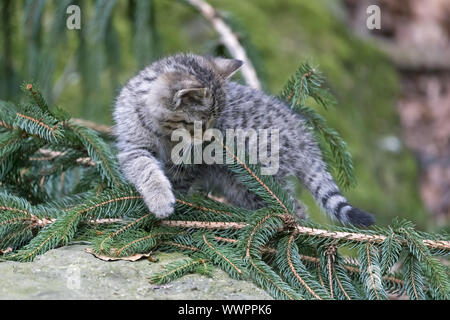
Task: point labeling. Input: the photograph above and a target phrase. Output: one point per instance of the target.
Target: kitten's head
(190, 89)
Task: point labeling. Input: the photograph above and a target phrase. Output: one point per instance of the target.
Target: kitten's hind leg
(183, 178)
(300, 210)
(220, 180)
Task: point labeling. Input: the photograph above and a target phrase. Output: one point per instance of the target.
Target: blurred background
(392, 84)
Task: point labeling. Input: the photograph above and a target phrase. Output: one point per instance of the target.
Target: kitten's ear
(199, 93)
(227, 67)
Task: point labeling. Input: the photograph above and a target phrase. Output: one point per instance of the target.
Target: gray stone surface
(71, 273)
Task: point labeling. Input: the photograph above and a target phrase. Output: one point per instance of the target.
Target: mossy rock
(71, 273)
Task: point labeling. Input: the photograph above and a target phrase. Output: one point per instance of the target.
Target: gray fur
(175, 91)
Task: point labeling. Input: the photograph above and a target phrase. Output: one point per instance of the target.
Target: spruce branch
(262, 185)
(99, 152)
(180, 246)
(101, 128)
(142, 221)
(308, 231)
(308, 83)
(35, 121)
(413, 278)
(289, 262)
(7, 115)
(140, 242)
(103, 209)
(179, 268)
(368, 257)
(34, 94)
(228, 260)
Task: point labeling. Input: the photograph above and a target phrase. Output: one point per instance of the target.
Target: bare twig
(48, 154)
(203, 224)
(229, 39)
(102, 128)
(321, 233)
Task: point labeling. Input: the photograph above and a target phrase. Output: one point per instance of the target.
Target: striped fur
(146, 113)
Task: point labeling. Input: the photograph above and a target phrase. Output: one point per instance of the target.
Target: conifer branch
(202, 224)
(105, 210)
(372, 274)
(133, 224)
(38, 122)
(177, 269)
(202, 208)
(294, 271)
(149, 238)
(99, 152)
(252, 174)
(101, 128)
(182, 246)
(271, 281)
(330, 253)
(341, 286)
(307, 231)
(236, 271)
(307, 83)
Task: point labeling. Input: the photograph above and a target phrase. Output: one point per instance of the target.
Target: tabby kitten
(177, 91)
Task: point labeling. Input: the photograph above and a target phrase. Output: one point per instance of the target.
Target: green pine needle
(178, 269)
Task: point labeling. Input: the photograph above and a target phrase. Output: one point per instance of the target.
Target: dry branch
(338, 235)
(48, 155)
(229, 39)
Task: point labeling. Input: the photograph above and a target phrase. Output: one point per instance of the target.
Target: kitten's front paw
(158, 195)
(160, 201)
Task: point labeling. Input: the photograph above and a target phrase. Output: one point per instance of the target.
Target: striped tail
(327, 194)
(335, 204)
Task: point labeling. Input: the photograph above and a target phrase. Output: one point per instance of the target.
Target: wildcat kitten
(174, 92)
